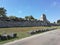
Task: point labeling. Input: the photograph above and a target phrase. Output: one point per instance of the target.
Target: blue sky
(36, 8)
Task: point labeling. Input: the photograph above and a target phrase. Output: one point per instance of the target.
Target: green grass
(21, 32)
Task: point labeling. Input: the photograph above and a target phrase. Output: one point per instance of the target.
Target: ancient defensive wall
(22, 23)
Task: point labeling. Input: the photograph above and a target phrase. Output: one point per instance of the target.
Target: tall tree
(2, 12)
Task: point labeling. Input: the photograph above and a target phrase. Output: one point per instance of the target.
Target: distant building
(44, 19)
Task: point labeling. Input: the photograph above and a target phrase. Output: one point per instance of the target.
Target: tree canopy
(2, 12)
(58, 21)
(15, 18)
(29, 17)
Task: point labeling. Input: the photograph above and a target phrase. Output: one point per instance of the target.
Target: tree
(26, 17)
(2, 12)
(58, 21)
(29, 17)
(54, 22)
(12, 17)
(15, 18)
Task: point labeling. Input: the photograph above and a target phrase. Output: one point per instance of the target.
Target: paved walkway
(47, 38)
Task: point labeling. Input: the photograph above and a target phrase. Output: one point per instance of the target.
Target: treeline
(3, 16)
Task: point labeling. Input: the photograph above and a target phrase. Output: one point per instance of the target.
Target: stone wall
(22, 23)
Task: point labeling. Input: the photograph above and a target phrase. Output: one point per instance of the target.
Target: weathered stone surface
(8, 36)
(42, 22)
(40, 31)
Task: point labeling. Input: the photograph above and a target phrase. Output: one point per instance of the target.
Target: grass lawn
(21, 32)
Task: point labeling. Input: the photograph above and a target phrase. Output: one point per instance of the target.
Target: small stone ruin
(5, 36)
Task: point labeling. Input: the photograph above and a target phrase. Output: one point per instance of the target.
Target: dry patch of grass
(21, 31)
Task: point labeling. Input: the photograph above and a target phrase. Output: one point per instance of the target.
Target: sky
(36, 8)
